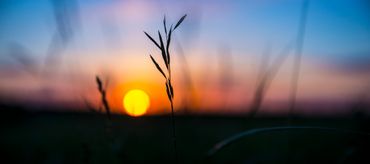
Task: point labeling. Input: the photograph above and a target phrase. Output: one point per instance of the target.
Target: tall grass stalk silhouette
(103, 92)
(167, 62)
(267, 75)
(190, 95)
(298, 55)
(226, 76)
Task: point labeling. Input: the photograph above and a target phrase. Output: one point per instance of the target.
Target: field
(91, 138)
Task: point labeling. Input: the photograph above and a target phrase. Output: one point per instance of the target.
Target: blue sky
(335, 27)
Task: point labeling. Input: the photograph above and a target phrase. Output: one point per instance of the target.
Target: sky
(52, 50)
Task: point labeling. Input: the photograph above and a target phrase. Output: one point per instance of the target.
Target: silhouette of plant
(103, 91)
(167, 62)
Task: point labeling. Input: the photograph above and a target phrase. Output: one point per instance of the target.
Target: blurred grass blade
(100, 85)
(158, 67)
(103, 96)
(152, 40)
(164, 24)
(164, 56)
(180, 21)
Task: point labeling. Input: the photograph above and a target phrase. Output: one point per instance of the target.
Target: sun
(136, 102)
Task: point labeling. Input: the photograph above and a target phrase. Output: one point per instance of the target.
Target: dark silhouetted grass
(164, 48)
(266, 77)
(103, 92)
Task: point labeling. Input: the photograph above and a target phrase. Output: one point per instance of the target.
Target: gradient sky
(57, 63)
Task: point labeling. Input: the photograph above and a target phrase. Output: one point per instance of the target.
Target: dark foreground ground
(91, 138)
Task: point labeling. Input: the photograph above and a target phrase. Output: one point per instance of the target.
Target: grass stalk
(267, 75)
(188, 97)
(174, 132)
(103, 92)
(298, 55)
(164, 48)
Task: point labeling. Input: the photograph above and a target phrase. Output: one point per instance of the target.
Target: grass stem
(174, 132)
(298, 56)
(164, 48)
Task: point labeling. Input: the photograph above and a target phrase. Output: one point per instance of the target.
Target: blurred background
(52, 51)
(230, 59)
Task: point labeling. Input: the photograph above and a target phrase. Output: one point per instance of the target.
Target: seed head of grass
(103, 90)
(164, 46)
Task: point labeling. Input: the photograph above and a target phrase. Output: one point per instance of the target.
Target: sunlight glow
(136, 102)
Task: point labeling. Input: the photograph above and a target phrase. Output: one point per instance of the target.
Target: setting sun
(136, 102)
